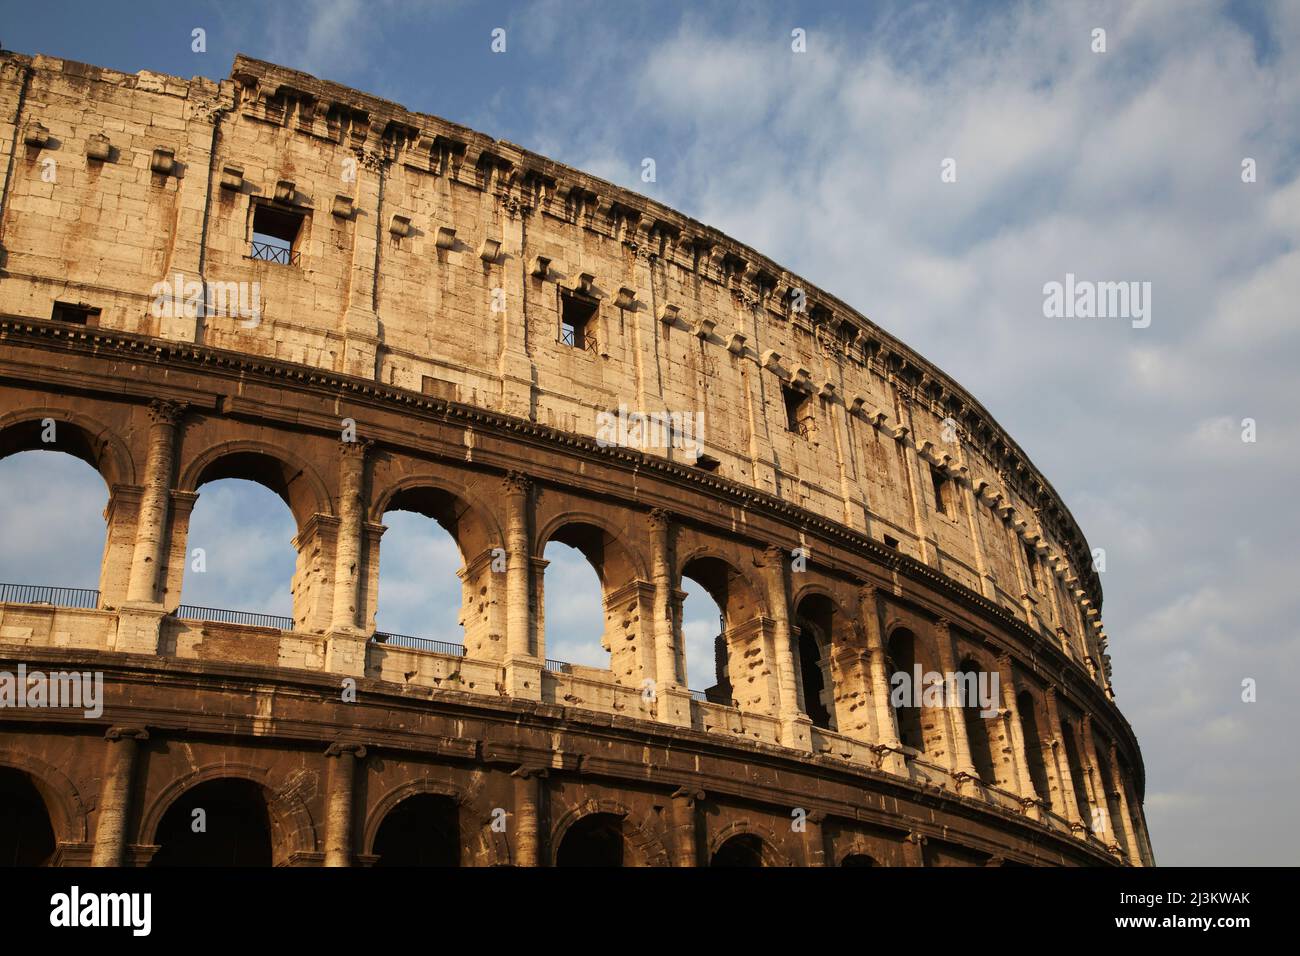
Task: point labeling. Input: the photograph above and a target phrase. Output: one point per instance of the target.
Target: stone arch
(978, 737)
(625, 597)
(404, 791)
(473, 526)
(62, 800)
(288, 475)
(292, 830)
(1033, 725)
(646, 848)
(744, 610)
(816, 617)
(471, 522)
(93, 442)
(770, 855)
(856, 852)
(903, 652)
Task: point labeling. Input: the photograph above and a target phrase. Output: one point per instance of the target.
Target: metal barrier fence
(84, 598)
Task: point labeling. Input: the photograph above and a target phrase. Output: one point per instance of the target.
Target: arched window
(737, 606)
(703, 631)
(26, 835)
(903, 696)
(423, 830)
(421, 593)
(216, 823)
(1071, 748)
(977, 727)
(239, 559)
(814, 619)
(858, 859)
(54, 505)
(743, 849)
(574, 609)
(595, 840)
(1028, 712)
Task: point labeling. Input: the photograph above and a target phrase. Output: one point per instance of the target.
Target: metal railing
(217, 615)
(277, 254)
(418, 643)
(83, 598)
(559, 667)
(575, 339)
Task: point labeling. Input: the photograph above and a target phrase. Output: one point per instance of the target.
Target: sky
(1122, 165)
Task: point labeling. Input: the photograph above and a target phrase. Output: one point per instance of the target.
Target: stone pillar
(1061, 760)
(115, 795)
(1020, 757)
(1126, 821)
(528, 785)
(925, 537)
(347, 548)
(886, 721)
(686, 838)
(794, 723)
(339, 800)
(959, 745)
(151, 522)
(345, 649)
(523, 659)
(988, 586)
(1092, 779)
(814, 839)
(673, 700)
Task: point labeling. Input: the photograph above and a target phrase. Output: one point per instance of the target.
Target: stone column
(959, 749)
(794, 723)
(115, 795)
(339, 800)
(1020, 757)
(151, 522)
(814, 839)
(528, 785)
(686, 839)
(1092, 778)
(886, 720)
(345, 649)
(1061, 760)
(347, 549)
(925, 537)
(523, 661)
(673, 701)
(1130, 832)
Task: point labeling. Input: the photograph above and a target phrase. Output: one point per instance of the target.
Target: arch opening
(977, 726)
(743, 849)
(1027, 711)
(232, 829)
(901, 656)
(704, 640)
(1071, 747)
(858, 859)
(26, 830)
(737, 605)
(240, 557)
(814, 619)
(422, 830)
(57, 507)
(424, 588)
(595, 840)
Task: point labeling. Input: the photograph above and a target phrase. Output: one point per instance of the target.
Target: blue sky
(1114, 166)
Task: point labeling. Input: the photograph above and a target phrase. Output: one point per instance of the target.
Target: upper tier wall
(433, 258)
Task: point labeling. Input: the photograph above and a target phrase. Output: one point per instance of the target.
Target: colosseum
(367, 310)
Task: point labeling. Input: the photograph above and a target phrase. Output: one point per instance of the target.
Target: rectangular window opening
(276, 231)
(798, 410)
(1031, 558)
(891, 542)
(578, 321)
(74, 314)
(940, 482)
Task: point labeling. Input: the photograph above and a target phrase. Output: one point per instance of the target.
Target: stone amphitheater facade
(444, 321)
